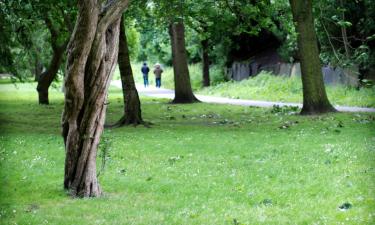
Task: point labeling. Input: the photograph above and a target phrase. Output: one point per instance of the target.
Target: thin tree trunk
(183, 91)
(344, 34)
(314, 94)
(206, 63)
(92, 56)
(46, 78)
(132, 104)
(327, 33)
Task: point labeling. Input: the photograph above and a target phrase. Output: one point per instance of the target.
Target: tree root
(125, 121)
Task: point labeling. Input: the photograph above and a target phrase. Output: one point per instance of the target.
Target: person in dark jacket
(145, 70)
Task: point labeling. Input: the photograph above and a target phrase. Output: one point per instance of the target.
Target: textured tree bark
(92, 56)
(46, 78)
(183, 91)
(132, 105)
(315, 99)
(205, 63)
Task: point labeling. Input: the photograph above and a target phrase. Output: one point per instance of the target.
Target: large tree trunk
(92, 56)
(314, 94)
(206, 63)
(132, 104)
(183, 91)
(46, 78)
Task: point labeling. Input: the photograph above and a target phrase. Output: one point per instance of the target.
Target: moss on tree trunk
(315, 99)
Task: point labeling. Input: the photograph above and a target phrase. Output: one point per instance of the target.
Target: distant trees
(203, 19)
(24, 43)
(314, 95)
(92, 55)
(29, 27)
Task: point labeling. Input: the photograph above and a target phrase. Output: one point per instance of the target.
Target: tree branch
(328, 36)
(112, 11)
(52, 29)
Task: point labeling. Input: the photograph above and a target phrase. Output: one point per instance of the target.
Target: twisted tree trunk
(92, 56)
(132, 104)
(315, 99)
(183, 91)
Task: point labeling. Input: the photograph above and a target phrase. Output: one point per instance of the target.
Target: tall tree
(132, 104)
(202, 17)
(175, 21)
(183, 90)
(92, 56)
(315, 99)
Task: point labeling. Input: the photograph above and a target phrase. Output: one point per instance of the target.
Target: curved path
(169, 94)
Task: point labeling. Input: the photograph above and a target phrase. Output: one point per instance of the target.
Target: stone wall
(332, 76)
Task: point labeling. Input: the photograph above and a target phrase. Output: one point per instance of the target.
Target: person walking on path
(145, 70)
(158, 71)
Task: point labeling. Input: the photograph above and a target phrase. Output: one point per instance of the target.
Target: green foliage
(133, 37)
(31, 30)
(284, 29)
(355, 18)
(154, 42)
(21, 41)
(196, 169)
(105, 147)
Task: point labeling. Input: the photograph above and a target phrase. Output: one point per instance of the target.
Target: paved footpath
(169, 94)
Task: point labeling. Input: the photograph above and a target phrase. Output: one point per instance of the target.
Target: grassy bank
(278, 88)
(199, 164)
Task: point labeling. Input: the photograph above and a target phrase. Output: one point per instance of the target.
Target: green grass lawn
(198, 164)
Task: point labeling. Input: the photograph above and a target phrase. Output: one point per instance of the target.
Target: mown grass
(198, 164)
